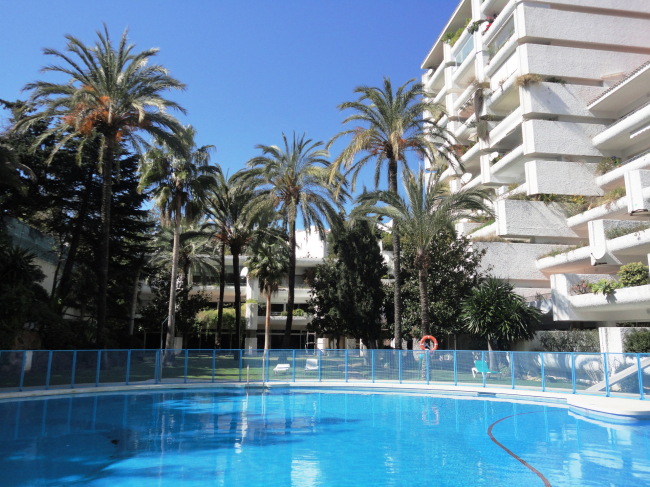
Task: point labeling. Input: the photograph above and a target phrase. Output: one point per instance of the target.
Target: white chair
(281, 368)
(311, 364)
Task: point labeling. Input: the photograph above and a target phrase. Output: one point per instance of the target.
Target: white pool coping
(617, 408)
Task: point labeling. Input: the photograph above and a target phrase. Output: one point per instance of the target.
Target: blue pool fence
(606, 374)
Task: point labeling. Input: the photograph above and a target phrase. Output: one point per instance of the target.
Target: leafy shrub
(570, 341)
(605, 287)
(637, 342)
(387, 241)
(633, 274)
(621, 231)
(296, 312)
(611, 197)
(563, 250)
(251, 301)
(531, 79)
(451, 37)
(607, 164)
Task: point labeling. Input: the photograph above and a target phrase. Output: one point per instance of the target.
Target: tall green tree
(178, 181)
(454, 270)
(269, 263)
(347, 292)
(231, 225)
(112, 94)
(296, 181)
(393, 125)
(428, 210)
(494, 312)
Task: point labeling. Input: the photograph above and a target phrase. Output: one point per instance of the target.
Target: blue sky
(253, 68)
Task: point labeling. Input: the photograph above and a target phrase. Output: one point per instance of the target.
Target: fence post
(640, 374)
(541, 358)
(606, 375)
(573, 371)
(74, 367)
(320, 359)
(484, 366)
(293, 366)
(400, 365)
(455, 369)
(128, 366)
(49, 369)
(373, 364)
(156, 373)
(512, 368)
(240, 364)
(214, 361)
(426, 356)
(346, 365)
(185, 373)
(22, 371)
(99, 364)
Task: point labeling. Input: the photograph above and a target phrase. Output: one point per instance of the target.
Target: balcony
(615, 178)
(508, 169)
(542, 137)
(434, 80)
(634, 301)
(505, 135)
(562, 177)
(633, 206)
(525, 219)
(631, 130)
(464, 60)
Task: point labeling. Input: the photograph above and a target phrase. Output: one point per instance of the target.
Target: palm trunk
(235, 266)
(286, 343)
(267, 324)
(64, 283)
(107, 197)
(222, 288)
(134, 304)
(424, 302)
(490, 355)
(392, 186)
(171, 315)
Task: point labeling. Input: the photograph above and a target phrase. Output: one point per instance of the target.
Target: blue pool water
(311, 438)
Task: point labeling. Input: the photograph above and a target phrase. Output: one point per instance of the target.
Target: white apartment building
(566, 85)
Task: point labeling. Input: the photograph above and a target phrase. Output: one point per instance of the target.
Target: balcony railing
(465, 50)
(604, 374)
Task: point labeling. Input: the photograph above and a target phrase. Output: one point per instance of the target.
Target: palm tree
(112, 93)
(230, 223)
(195, 255)
(427, 211)
(494, 312)
(179, 182)
(295, 181)
(269, 264)
(394, 126)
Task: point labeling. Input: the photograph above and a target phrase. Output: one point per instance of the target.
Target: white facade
(589, 101)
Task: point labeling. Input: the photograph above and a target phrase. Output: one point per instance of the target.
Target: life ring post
(429, 337)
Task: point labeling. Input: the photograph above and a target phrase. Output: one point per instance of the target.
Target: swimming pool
(286, 437)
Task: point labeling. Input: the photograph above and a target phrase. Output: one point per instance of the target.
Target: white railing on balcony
(464, 50)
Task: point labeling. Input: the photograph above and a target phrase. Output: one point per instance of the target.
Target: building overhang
(436, 55)
(633, 87)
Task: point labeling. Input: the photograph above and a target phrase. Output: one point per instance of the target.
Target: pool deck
(615, 408)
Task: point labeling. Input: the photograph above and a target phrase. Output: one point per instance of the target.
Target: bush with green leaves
(605, 287)
(585, 341)
(633, 274)
(296, 312)
(637, 341)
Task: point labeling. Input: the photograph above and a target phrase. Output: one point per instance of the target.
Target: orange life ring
(429, 337)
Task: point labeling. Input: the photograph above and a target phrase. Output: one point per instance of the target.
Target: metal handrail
(605, 374)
